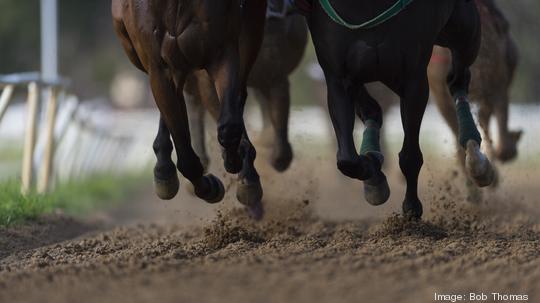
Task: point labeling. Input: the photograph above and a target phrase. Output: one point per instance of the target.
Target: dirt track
(319, 243)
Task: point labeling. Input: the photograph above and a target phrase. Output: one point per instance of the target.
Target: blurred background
(91, 56)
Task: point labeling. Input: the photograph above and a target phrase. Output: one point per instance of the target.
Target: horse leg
(341, 109)
(437, 75)
(166, 183)
(278, 99)
(196, 125)
(230, 75)
(266, 138)
(173, 112)
(376, 189)
(508, 139)
(477, 164)
(484, 117)
(413, 105)
(225, 75)
(385, 98)
(464, 42)
(249, 191)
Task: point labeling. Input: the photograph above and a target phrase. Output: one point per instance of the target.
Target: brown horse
(173, 40)
(283, 47)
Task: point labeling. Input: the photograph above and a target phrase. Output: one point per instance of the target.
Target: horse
(491, 78)
(395, 48)
(283, 46)
(177, 40)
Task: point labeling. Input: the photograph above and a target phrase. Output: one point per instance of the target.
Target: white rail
(74, 140)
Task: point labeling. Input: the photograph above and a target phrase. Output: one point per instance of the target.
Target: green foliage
(75, 198)
(16, 207)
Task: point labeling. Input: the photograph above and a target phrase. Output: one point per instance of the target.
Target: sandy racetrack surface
(320, 242)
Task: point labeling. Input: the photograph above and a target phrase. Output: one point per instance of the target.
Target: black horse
(395, 50)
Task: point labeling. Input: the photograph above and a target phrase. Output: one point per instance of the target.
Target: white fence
(65, 139)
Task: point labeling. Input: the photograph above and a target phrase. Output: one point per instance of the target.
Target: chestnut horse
(395, 52)
(172, 40)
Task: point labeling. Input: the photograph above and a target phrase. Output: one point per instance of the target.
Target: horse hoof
(249, 193)
(376, 190)
(214, 190)
(282, 158)
(412, 210)
(256, 211)
(167, 189)
(478, 165)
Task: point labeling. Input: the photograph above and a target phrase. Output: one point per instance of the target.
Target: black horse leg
(413, 105)
(376, 189)
(173, 111)
(341, 109)
(166, 183)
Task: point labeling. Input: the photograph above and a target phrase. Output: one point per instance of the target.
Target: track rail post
(45, 170)
(30, 138)
(5, 99)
